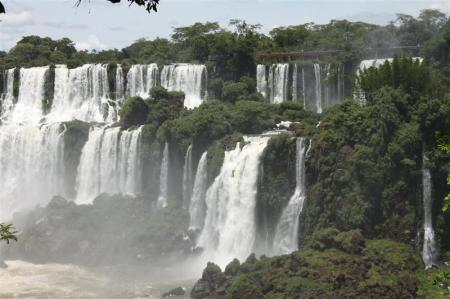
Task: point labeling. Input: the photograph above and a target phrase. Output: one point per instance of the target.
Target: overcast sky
(101, 25)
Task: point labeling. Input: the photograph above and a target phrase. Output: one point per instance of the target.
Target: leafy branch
(150, 5)
(7, 233)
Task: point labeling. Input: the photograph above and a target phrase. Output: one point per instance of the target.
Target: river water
(48, 281)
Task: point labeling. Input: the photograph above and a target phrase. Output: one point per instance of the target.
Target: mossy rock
(133, 113)
(351, 241)
(244, 287)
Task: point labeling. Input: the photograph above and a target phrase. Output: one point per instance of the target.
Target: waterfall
(327, 96)
(81, 93)
(318, 88)
(141, 78)
(28, 109)
(429, 242)
(303, 88)
(197, 206)
(261, 80)
(318, 85)
(7, 98)
(119, 83)
(110, 162)
(163, 177)
(278, 79)
(188, 78)
(295, 83)
(187, 177)
(286, 235)
(230, 227)
(31, 166)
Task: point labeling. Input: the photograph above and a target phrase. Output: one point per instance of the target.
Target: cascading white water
(278, 80)
(31, 155)
(261, 80)
(295, 83)
(229, 229)
(163, 177)
(286, 235)
(28, 109)
(187, 177)
(141, 78)
(81, 93)
(31, 166)
(429, 242)
(110, 162)
(318, 88)
(119, 83)
(303, 88)
(7, 98)
(188, 78)
(197, 206)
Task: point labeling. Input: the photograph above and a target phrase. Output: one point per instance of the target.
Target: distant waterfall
(31, 166)
(278, 79)
(286, 235)
(119, 83)
(163, 177)
(261, 80)
(188, 78)
(7, 98)
(294, 83)
(197, 206)
(429, 242)
(230, 227)
(187, 177)
(318, 86)
(81, 93)
(141, 78)
(318, 90)
(110, 162)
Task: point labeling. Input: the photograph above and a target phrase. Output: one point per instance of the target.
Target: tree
(7, 233)
(444, 146)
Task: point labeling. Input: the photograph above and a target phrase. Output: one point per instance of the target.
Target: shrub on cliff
(134, 112)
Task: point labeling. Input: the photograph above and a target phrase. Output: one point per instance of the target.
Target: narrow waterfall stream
(429, 242)
(286, 235)
(197, 206)
(187, 177)
(163, 177)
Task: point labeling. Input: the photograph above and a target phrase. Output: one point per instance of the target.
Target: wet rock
(174, 292)
(212, 285)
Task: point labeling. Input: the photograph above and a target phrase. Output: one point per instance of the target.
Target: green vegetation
(366, 269)
(7, 233)
(134, 112)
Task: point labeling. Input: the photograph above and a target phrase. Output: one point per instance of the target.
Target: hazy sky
(101, 25)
